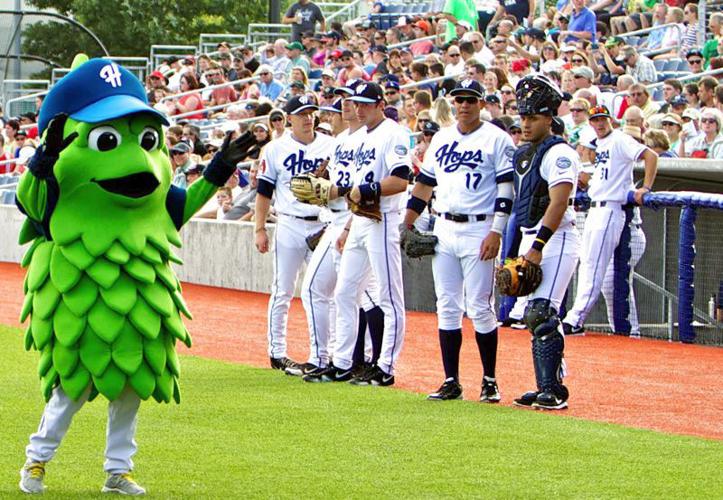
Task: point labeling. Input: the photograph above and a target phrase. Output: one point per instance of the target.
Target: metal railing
(163, 51)
(348, 8)
(206, 109)
(213, 39)
(429, 80)
(209, 87)
(651, 29)
(264, 31)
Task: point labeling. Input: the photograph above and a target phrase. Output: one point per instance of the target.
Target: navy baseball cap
(392, 113)
(334, 108)
(492, 99)
(96, 91)
(679, 100)
(391, 85)
(368, 92)
(430, 127)
(300, 103)
(349, 88)
(468, 87)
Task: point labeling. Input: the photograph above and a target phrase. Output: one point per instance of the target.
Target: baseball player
(546, 171)
(615, 156)
(382, 170)
(321, 272)
(301, 151)
(470, 165)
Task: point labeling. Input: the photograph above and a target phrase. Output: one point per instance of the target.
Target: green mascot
(104, 305)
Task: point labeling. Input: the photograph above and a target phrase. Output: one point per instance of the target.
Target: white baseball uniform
(281, 159)
(382, 150)
(465, 169)
(322, 270)
(615, 155)
(561, 164)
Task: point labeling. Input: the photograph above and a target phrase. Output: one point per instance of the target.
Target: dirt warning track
(649, 384)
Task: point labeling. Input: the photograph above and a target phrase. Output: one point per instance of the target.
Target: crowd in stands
(580, 44)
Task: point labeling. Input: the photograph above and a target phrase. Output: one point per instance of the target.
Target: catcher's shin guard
(547, 345)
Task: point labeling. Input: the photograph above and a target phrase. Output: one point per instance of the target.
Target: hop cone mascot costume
(104, 305)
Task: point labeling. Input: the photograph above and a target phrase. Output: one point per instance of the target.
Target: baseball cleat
(329, 374)
(527, 399)
(450, 389)
(313, 375)
(572, 331)
(375, 376)
(282, 363)
(514, 323)
(361, 369)
(31, 478)
(297, 370)
(548, 400)
(122, 484)
(490, 393)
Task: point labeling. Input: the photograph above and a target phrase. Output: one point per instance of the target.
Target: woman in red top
(189, 102)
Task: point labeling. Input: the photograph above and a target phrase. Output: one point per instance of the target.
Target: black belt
(338, 210)
(309, 218)
(464, 218)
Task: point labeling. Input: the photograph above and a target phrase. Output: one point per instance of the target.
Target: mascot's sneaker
(527, 399)
(122, 484)
(450, 389)
(31, 478)
(548, 400)
(490, 393)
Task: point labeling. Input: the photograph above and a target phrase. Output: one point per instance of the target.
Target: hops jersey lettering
(342, 168)
(466, 166)
(285, 157)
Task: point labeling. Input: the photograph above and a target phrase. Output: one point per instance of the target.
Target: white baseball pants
(374, 244)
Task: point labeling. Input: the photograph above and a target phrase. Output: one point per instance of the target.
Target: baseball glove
(415, 244)
(312, 241)
(307, 188)
(369, 209)
(518, 277)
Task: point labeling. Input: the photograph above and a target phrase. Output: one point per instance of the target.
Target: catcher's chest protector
(530, 188)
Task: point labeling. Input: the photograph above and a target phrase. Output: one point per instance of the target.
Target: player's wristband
(370, 192)
(416, 205)
(342, 191)
(647, 188)
(543, 236)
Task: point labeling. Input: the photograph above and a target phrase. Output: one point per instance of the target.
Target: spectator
(419, 72)
(673, 34)
(583, 81)
(658, 141)
(639, 66)
(222, 95)
(695, 60)
(510, 108)
(237, 68)
(486, 10)
(690, 92)
(189, 102)
(699, 146)
(672, 88)
(578, 121)
(182, 163)
(623, 85)
(455, 64)
(428, 130)
(692, 116)
(476, 71)
(466, 50)
(672, 126)
(493, 105)
(379, 60)
(303, 16)
(392, 94)
(422, 29)
(192, 136)
(441, 113)
(262, 136)
(706, 92)
(294, 51)
(491, 83)
(280, 63)
(714, 46)
(640, 97)
(690, 37)
(634, 117)
(269, 87)
(678, 105)
(582, 25)
(507, 93)
(350, 70)
(193, 173)
(522, 10)
(654, 40)
(155, 80)
(277, 123)
(455, 11)
(249, 58)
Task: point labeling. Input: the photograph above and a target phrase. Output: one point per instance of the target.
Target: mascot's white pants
(59, 412)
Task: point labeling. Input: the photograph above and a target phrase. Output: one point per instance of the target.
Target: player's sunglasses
(466, 99)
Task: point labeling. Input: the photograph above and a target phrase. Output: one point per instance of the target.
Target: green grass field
(251, 433)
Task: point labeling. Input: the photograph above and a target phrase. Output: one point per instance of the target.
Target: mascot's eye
(148, 139)
(104, 138)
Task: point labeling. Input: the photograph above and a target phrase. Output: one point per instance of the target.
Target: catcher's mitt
(312, 241)
(369, 209)
(518, 277)
(416, 244)
(307, 188)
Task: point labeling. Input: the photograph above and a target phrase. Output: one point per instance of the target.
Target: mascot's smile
(133, 186)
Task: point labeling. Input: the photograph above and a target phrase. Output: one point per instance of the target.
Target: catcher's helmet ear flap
(538, 95)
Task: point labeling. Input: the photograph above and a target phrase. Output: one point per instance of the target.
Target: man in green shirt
(710, 49)
(458, 10)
